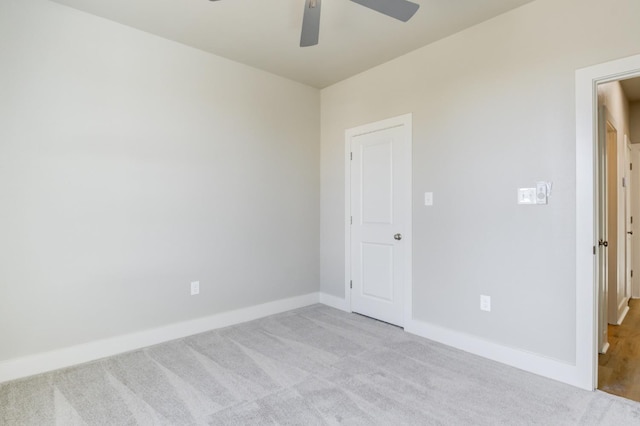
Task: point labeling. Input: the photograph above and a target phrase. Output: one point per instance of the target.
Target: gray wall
(130, 166)
(493, 110)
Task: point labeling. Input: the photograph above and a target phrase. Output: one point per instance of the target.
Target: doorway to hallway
(617, 198)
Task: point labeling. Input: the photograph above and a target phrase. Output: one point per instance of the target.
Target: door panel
(377, 277)
(377, 178)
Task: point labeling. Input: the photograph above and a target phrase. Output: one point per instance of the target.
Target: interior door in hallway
(601, 232)
(635, 213)
(380, 185)
(628, 188)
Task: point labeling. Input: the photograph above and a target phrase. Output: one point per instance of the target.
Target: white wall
(131, 165)
(611, 95)
(493, 110)
(634, 121)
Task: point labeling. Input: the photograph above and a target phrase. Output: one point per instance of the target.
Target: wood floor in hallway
(619, 368)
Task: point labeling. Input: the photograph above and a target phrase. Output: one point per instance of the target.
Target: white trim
(623, 314)
(66, 357)
(408, 287)
(406, 121)
(347, 221)
(586, 300)
(524, 360)
(334, 302)
(518, 358)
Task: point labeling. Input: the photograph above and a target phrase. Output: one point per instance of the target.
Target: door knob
(603, 243)
(398, 237)
(630, 232)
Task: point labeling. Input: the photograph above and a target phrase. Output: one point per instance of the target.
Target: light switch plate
(541, 193)
(428, 198)
(526, 195)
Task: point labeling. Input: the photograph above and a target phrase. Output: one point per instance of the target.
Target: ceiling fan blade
(310, 23)
(399, 9)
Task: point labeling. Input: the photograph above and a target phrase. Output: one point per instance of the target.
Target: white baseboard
(518, 358)
(623, 314)
(66, 357)
(334, 302)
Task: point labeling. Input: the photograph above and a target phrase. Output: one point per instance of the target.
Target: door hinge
(351, 155)
(631, 219)
(630, 166)
(594, 250)
(351, 284)
(351, 220)
(632, 273)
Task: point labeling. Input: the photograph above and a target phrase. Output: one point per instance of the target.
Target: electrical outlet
(485, 303)
(195, 288)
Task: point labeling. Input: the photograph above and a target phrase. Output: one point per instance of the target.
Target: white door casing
(378, 231)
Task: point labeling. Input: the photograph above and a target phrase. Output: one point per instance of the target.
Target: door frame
(609, 127)
(404, 121)
(635, 212)
(628, 218)
(587, 80)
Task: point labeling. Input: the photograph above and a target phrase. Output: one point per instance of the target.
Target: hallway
(619, 368)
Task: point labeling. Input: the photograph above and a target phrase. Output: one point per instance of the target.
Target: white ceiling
(631, 89)
(266, 33)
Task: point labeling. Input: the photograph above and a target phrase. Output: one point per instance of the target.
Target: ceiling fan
(402, 10)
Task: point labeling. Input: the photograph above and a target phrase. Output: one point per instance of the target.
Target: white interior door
(615, 223)
(380, 241)
(628, 225)
(635, 214)
(601, 233)
(617, 293)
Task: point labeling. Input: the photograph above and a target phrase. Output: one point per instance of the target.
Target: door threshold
(376, 319)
